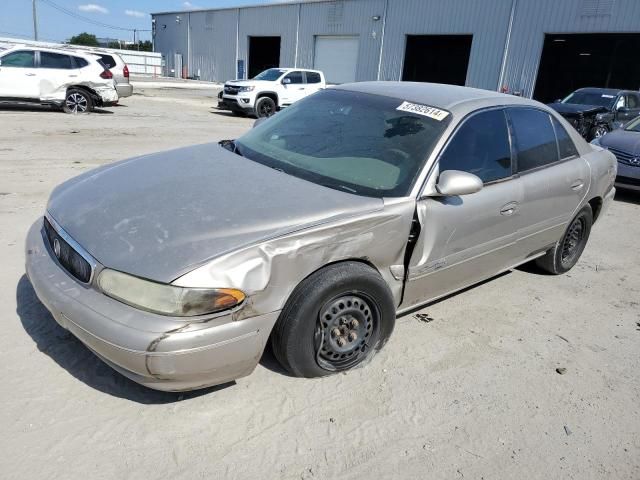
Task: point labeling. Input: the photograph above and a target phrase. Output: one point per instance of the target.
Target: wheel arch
(95, 98)
(596, 207)
(272, 95)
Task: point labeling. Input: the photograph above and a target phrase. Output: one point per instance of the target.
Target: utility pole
(35, 21)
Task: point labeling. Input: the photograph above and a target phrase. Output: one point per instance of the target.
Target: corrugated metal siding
(213, 33)
(171, 37)
(343, 17)
(535, 18)
(486, 20)
(277, 20)
(213, 45)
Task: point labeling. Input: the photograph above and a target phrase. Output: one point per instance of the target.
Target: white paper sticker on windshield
(425, 110)
(608, 96)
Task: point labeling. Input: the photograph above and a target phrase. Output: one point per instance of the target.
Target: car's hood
(159, 216)
(628, 142)
(574, 109)
(248, 83)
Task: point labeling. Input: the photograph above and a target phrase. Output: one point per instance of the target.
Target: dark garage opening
(574, 61)
(437, 58)
(264, 52)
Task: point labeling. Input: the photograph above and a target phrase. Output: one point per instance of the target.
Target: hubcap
(347, 326)
(572, 241)
(600, 131)
(77, 103)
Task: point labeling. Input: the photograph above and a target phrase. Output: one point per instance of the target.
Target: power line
(89, 20)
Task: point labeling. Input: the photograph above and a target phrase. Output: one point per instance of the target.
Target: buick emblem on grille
(56, 247)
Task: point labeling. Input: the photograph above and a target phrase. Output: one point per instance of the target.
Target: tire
(598, 131)
(357, 310)
(77, 101)
(566, 252)
(265, 107)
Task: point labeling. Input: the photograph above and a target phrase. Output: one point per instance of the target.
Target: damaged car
(593, 112)
(312, 231)
(74, 81)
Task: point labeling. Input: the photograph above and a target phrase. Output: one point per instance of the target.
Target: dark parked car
(625, 145)
(596, 111)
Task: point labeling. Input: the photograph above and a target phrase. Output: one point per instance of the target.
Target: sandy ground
(469, 389)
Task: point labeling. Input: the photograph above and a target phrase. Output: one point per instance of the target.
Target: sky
(53, 25)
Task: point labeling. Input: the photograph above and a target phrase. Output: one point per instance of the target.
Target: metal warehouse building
(540, 48)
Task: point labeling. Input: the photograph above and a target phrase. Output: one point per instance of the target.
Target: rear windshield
(361, 143)
(591, 98)
(269, 75)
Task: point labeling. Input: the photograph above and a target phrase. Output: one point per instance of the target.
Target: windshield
(269, 75)
(591, 98)
(356, 142)
(633, 126)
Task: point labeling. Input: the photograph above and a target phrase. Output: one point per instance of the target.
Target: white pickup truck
(269, 91)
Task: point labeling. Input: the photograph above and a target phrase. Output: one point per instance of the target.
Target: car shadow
(23, 107)
(627, 196)
(69, 353)
(270, 362)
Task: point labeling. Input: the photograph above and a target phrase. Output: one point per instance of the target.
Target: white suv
(270, 90)
(75, 81)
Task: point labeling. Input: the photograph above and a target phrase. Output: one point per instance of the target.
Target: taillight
(125, 71)
(106, 74)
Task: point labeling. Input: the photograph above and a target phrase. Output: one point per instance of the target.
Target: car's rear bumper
(160, 352)
(124, 90)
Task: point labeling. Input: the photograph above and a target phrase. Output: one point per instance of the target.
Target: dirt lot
(469, 389)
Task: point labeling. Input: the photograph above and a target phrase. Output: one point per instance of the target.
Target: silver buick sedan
(312, 231)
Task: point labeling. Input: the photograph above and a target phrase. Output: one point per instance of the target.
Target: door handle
(509, 209)
(73, 76)
(577, 185)
(30, 74)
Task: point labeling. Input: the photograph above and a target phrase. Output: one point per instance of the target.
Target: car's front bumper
(628, 177)
(160, 352)
(240, 102)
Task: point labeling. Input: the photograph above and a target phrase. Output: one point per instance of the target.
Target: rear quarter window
(79, 62)
(565, 144)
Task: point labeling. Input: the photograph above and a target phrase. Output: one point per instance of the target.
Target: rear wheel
(335, 319)
(265, 107)
(566, 253)
(77, 101)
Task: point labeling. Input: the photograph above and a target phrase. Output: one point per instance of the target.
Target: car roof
(454, 98)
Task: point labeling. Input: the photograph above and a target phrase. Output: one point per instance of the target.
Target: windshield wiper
(230, 145)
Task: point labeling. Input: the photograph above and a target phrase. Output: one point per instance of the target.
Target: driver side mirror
(286, 81)
(455, 182)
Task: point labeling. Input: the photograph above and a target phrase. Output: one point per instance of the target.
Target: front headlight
(167, 299)
(245, 89)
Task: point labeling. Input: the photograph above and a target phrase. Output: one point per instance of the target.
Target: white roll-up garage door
(337, 57)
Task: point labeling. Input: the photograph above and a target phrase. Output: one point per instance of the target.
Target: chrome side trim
(93, 263)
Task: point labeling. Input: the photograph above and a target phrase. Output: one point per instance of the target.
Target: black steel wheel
(77, 101)
(265, 107)
(347, 327)
(335, 319)
(567, 251)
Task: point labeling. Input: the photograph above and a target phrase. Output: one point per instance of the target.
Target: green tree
(84, 38)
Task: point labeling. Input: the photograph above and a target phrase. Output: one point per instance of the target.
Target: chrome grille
(70, 260)
(626, 157)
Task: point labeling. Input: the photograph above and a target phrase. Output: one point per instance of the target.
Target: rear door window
(535, 138)
(19, 59)
(480, 146)
(565, 145)
(313, 77)
(55, 60)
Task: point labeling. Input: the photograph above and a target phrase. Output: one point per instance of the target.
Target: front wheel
(77, 101)
(598, 131)
(335, 319)
(566, 252)
(265, 107)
